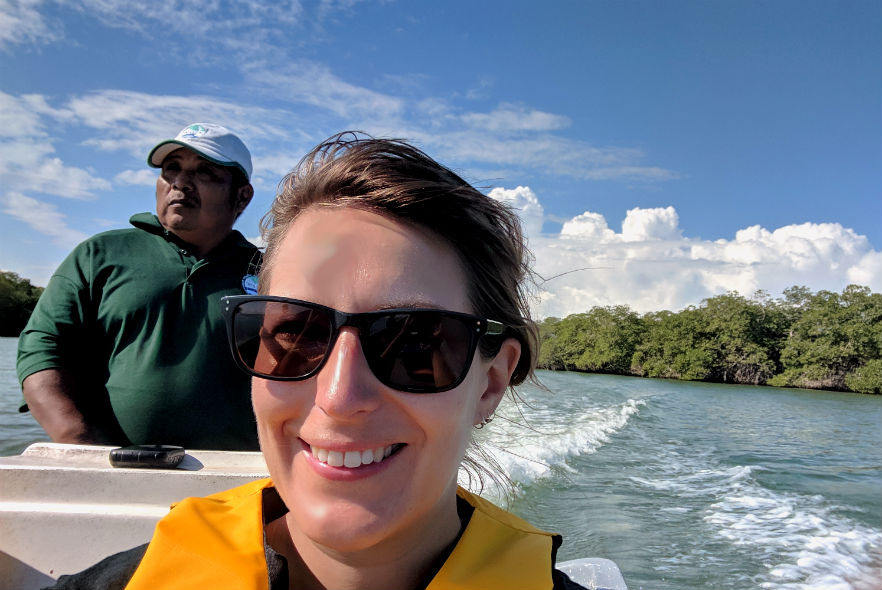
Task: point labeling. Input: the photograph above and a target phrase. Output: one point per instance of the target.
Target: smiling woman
(390, 322)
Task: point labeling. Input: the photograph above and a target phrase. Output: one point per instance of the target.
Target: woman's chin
(343, 528)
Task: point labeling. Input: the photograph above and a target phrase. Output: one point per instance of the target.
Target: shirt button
(185, 253)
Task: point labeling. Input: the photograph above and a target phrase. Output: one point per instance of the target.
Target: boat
(65, 507)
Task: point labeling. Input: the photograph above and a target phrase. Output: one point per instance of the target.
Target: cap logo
(193, 131)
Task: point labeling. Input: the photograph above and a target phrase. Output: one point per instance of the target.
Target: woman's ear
(499, 370)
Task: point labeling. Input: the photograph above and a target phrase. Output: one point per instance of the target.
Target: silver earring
(485, 421)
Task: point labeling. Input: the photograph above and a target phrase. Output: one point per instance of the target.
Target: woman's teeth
(351, 459)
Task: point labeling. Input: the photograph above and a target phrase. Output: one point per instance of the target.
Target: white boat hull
(64, 508)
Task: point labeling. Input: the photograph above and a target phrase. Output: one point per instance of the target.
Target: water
(692, 485)
(684, 485)
(17, 430)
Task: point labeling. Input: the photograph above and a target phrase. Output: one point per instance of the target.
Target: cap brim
(163, 149)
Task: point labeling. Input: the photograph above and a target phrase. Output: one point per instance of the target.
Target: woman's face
(357, 261)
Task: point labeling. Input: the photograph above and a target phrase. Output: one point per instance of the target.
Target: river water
(684, 485)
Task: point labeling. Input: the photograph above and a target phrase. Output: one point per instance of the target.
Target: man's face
(195, 199)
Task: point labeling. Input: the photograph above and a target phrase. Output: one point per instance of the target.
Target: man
(127, 343)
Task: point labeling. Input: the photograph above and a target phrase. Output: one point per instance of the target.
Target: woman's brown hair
(393, 178)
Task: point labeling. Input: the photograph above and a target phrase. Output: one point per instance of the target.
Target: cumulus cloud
(527, 206)
(868, 270)
(649, 265)
(588, 226)
(641, 225)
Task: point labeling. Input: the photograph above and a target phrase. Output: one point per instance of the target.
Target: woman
(390, 322)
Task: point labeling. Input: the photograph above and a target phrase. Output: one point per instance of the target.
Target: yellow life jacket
(218, 542)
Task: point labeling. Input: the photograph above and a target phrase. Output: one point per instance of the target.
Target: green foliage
(612, 336)
(674, 346)
(824, 340)
(17, 300)
(743, 337)
(866, 378)
(602, 340)
(833, 337)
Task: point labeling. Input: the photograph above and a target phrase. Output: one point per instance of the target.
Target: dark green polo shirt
(137, 318)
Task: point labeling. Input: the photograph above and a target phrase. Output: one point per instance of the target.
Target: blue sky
(677, 149)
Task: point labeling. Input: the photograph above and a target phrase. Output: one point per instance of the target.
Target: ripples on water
(701, 486)
(17, 430)
(684, 485)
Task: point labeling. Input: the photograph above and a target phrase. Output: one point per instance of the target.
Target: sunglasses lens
(420, 352)
(280, 339)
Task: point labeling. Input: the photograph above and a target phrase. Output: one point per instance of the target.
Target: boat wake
(801, 541)
(531, 440)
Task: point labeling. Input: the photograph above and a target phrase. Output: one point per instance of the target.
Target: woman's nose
(346, 387)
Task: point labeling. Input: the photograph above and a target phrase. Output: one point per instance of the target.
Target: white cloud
(43, 217)
(588, 226)
(328, 8)
(635, 173)
(257, 241)
(510, 117)
(651, 266)
(22, 24)
(21, 116)
(241, 29)
(868, 271)
(144, 177)
(306, 82)
(546, 153)
(197, 32)
(27, 161)
(133, 122)
(53, 177)
(650, 224)
(481, 88)
(527, 206)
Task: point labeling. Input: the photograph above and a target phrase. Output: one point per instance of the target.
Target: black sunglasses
(412, 350)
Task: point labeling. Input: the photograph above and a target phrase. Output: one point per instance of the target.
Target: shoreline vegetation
(823, 340)
(17, 300)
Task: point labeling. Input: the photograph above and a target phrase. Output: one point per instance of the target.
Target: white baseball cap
(213, 142)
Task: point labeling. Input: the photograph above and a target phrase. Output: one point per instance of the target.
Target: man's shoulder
(113, 235)
(143, 225)
(237, 247)
(238, 240)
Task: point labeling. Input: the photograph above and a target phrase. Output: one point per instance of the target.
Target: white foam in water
(529, 441)
(808, 545)
(802, 540)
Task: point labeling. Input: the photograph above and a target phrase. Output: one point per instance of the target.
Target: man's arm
(50, 397)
